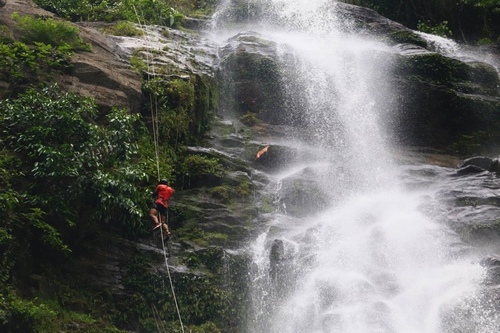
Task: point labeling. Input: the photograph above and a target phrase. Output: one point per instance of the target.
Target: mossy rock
(251, 78)
(406, 37)
(434, 68)
(439, 116)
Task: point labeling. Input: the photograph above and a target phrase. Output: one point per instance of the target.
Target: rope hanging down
(168, 273)
(153, 101)
(155, 128)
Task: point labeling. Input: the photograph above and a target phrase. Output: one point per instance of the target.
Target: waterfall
(376, 258)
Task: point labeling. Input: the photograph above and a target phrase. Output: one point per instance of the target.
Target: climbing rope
(153, 100)
(168, 271)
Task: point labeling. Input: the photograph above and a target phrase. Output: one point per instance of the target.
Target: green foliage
(440, 29)
(149, 11)
(470, 20)
(5, 35)
(198, 168)
(20, 62)
(124, 28)
(208, 327)
(76, 10)
(484, 3)
(201, 298)
(21, 315)
(173, 101)
(37, 315)
(222, 192)
(485, 41)
(410, 37)
(137, 63)
(228, 192)
(71, 165)
(139, 11)
(182, 108)
(249, 119)
(51, 32)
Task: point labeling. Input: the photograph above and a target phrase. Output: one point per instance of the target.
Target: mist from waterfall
(376, 259)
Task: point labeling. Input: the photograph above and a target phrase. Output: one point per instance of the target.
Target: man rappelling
(162, 195)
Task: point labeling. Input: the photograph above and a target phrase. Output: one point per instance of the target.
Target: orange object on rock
(262, 151)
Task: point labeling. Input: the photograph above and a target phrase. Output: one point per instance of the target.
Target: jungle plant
(149, 11)
(174, 103)
(198, 170)
(19, 61)
(70, 171)
(51, 32)
(138, 11)
(440, 29)
(124, 28)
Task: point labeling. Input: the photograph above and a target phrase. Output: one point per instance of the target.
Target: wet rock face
(437, 98)
(471, 195)
(250, 78)
(480, 163)
(491, 282)
(443, 98)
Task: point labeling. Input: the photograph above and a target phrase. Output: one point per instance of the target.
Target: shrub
(174, 102)
(19, 61)
(50, 31)
(71, 164)
(124, 28)
(440, 29)
(197, 165)
(19, 315)
(198, 170)
(139, 11)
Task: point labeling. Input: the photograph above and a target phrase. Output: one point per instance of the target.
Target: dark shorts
(160, 208)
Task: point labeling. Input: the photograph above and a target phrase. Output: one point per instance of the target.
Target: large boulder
(442, 100)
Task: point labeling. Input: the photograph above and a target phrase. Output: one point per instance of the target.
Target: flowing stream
(377, 257)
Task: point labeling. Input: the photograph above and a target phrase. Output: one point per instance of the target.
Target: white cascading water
(375, 260)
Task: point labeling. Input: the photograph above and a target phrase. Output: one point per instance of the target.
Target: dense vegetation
(472, 21)
(71, 172)
(167, 13)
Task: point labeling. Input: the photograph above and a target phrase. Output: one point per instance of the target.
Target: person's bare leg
(164, 224)
(153, 216)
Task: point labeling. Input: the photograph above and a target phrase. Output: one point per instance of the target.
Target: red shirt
(163, 194)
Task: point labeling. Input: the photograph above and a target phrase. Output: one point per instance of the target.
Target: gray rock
(479, 161)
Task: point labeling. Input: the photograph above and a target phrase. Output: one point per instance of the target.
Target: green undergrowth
(166, 13)
(138, 11)
(123, 28)
(206, 302)
(39, 315)
(51, 32)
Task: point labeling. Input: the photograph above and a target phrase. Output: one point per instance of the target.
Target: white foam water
(376, 260)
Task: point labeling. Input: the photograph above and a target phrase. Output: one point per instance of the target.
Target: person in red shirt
(162, 195)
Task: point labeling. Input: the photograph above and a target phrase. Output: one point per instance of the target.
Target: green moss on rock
(406, 37)
(434, 68)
